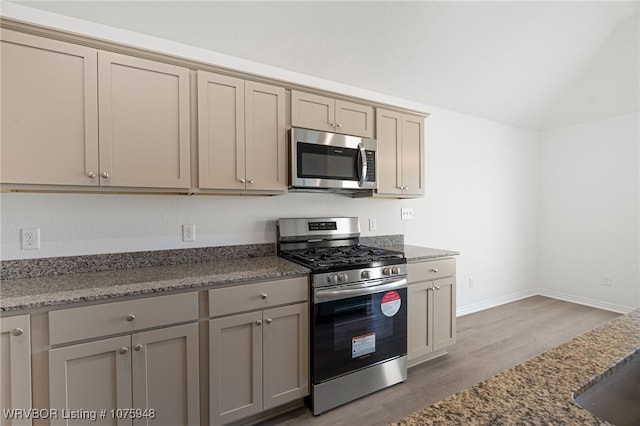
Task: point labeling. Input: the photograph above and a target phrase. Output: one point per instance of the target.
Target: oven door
(364, 327)
(329, 160)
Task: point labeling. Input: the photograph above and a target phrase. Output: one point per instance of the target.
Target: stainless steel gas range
(358, 310)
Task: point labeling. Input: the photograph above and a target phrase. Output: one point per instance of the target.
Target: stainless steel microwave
(323, 160)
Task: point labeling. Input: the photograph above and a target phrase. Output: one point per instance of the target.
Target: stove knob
(332, 279)
(365, 275)
(343, 277)
(395, 270)
(386, 271)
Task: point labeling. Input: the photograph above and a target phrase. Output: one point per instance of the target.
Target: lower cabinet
(153, 372)
(147, 374)
(15, 369)
(431, 309)
(258, 360)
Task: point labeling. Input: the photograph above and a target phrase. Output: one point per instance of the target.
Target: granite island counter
(540, 391)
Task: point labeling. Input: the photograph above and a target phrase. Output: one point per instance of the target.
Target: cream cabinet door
(444, 313)
(49, 111)
(311, 111)
(420, 326)
(389, 153)
(144, 123)
(165, 375)
(286, 354)
(90, 377)
(235, 364)
(15, 368)
(220, 131)
(412, 155)
(354, 119)
(265, 137)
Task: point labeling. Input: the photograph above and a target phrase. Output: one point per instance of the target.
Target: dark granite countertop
(540, 391)
(47, 291)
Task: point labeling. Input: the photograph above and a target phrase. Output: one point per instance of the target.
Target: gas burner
(329, 257)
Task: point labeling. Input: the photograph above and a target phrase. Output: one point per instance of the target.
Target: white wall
(590, 211)
(481, 200)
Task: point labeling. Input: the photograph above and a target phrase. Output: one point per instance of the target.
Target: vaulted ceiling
(535, 64)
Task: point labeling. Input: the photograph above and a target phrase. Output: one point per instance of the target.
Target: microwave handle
(363, 167)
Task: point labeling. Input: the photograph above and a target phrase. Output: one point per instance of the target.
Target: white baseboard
(492, 303)
(481, 306)
(584, 301)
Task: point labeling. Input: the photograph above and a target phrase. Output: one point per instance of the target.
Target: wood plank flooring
(488, 342)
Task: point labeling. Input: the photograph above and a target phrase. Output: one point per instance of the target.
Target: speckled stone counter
(420, 254)
(40, 283)
(540, 391)
(47, 291)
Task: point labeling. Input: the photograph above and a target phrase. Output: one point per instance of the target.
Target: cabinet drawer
(431, 270)
(249, 297)
(89, 322)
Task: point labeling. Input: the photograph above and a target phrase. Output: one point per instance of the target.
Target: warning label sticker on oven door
(363, 345)
(390, 304)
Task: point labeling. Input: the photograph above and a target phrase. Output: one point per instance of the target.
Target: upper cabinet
(74, 115)
(49, 111)
(400, 154)
(331, 115)
(144, 123)
(241, 135)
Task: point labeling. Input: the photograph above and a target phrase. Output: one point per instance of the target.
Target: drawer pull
(437, 287)
(259, 322)
(131, 317)
(18, 331)
(434, 270)
(137, 347)
(268, 320)
(123, 350)
(263, 296)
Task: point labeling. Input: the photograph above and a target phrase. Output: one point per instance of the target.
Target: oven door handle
(320, 296)
(363, 165)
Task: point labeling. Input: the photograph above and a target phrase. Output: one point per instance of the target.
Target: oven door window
(327, 162)
(357, 332)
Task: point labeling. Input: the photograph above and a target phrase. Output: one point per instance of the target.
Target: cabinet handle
(17, 331)
(263, 296)
(137, 347)
(123, 350)
(242, 180)
(91, 175)
(131, 317)
(251, 181)
(437, 287)
(259, 322)
(105, 175)
(268, 320)
(434, 270)
(338, 125)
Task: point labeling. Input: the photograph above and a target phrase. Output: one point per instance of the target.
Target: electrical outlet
(406, 214)
(606, 280)
(372, 224)
(189, 233)
(472, 282)
(30, 238)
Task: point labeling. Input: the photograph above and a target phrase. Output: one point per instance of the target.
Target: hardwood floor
(488, 342)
